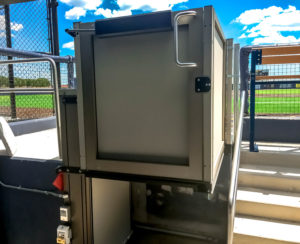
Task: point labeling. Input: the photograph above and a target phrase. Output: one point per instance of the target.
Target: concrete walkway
(38, 145)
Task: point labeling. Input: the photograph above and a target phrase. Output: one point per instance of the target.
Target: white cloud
(107, 13)
(154, 5)
(127, 5)
(80, 7)
(266, 25)
(257, 15)
(85, 4)
(243, 36)
(75, 13)
(69, 45)
(14, 26)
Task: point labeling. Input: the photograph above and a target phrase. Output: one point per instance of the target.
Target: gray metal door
(141, 113)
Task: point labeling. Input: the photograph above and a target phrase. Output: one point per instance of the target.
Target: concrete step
(270, 178)
(258, 231)
(274, 158)
(268, 204)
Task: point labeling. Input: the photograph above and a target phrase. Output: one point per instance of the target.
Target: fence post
(52, 9)
(256, 56)
(10, 66)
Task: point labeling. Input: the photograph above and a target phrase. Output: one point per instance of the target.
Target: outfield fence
(277, 90)
(274, 84)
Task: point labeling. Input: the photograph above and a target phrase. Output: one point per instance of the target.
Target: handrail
(235, 171)
(26, 90)
(6, 51)
(176, 19)
(55, 83)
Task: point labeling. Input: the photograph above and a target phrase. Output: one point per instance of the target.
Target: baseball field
(277, 101)
(272, 101)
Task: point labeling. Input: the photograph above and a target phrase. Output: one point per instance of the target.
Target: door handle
(176, 19)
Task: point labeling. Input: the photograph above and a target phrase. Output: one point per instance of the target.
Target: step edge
(270, 204)
(270, 175)
(264, 238)
(269, 221)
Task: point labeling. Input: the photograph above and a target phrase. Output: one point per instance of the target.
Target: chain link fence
(277, 90)
(28, 27)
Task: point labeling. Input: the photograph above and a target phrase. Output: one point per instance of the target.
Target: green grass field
(277, 101)
(29, 101)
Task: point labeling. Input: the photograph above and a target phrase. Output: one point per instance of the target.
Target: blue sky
(248, 22)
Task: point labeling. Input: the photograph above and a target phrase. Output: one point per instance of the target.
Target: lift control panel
(64, 234)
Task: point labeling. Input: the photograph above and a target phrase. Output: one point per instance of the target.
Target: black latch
(69, 99)
(202, 84)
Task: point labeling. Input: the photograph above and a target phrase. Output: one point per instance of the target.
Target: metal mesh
(279, 96)
(29, 26)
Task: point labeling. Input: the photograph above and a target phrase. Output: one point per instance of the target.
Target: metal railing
(33, 102)
(235, 171)
(55, 89)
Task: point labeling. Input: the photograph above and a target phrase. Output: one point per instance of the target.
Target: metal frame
(236, 82)
(70, 60)
(211, 25)
(235, 172)
(256, 56)
(55, 83)
(199, 151)
(228, 88)
(27, 54)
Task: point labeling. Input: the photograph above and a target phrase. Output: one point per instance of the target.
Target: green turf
(278, 91)
(29, 101)
(276, 103)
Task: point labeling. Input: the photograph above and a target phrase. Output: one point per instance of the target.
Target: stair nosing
(274, 193)
(270, 221)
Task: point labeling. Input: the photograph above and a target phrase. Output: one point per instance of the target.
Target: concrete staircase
(268, 199)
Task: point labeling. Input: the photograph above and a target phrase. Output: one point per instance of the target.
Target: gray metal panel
(86, 96)
(80, 191)
(111, 211)
(274, 130)
(142, 95)
(208, 37)
(89, 211)
(77, 201)
(70, 134)
(64, 141)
